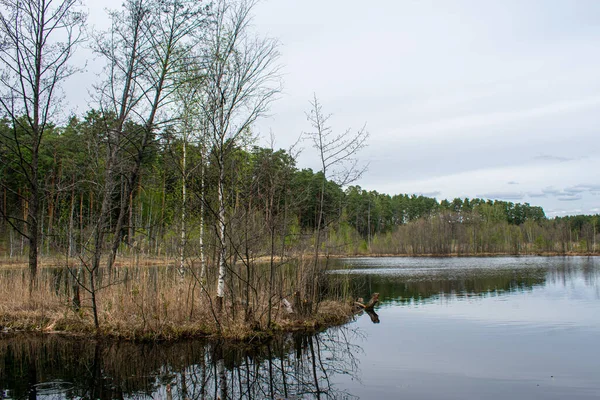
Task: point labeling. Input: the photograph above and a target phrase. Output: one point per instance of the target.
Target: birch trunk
(202, 258)
(223, 249)
(183, 205)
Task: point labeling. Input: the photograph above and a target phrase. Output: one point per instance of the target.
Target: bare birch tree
(37, 41)
(241, 80)
(339, 163)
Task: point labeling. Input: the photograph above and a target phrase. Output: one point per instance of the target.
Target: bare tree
(339, 163)
(149, 41)
(37, 41)
(241, 80)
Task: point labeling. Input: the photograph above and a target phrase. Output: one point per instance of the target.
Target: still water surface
(449, 328)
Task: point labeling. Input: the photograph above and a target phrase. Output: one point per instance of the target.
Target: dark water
(493, 328)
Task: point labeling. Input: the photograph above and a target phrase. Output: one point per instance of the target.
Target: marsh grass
(153, 303)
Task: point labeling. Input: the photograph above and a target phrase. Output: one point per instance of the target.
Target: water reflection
(295, 366)
(518, 328)
(450, 328)
(418, 281)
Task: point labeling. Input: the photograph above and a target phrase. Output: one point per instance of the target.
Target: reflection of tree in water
(426, 287)
(418, 286)
(288, 367)
(587, 270)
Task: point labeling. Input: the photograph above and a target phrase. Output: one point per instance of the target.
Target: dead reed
(155, 303)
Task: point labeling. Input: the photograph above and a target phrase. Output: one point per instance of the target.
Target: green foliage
(266, 185)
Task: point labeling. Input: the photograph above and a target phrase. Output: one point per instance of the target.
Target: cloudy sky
(493, 99)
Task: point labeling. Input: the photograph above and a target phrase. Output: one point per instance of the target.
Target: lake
(446, 328)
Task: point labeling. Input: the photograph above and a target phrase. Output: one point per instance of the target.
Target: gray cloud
(576, 189)
(569, 197)
(570, 193)
(537, 194)
(513, 183)
(593, 189)
(551, 190)
(503, 195)
(435, 193)
(552, 158)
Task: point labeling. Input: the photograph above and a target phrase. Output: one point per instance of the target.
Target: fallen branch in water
(370, 305)
(373, 315)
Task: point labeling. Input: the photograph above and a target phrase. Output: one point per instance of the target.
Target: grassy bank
(147, 299)
(48, 319)
(153, 303)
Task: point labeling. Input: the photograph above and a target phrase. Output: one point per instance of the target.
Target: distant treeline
(356, 220)
(419, 225)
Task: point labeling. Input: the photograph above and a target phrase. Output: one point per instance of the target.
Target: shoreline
(66, 324)
(127, 261)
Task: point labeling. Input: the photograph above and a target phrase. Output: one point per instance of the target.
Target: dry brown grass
(144, 304)
(59, 260)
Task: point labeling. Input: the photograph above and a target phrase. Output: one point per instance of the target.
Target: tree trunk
(130, 222)
(202, 257)
(4, 210)
(370, 305)
(271, 272)
(183, 205)
(33, 242)
(71, 221)
(313, 278)
(221, 231)
(32, 222)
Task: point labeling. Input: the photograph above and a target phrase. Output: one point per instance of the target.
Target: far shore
(132, 261)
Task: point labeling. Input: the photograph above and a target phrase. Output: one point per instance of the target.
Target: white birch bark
(223, 248)
(240, 82)
(202, 259)
(183, 207)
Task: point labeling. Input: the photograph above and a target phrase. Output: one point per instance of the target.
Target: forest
(164, 168)
(258, 181)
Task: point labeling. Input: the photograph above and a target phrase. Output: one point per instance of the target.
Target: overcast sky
(492, 99)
